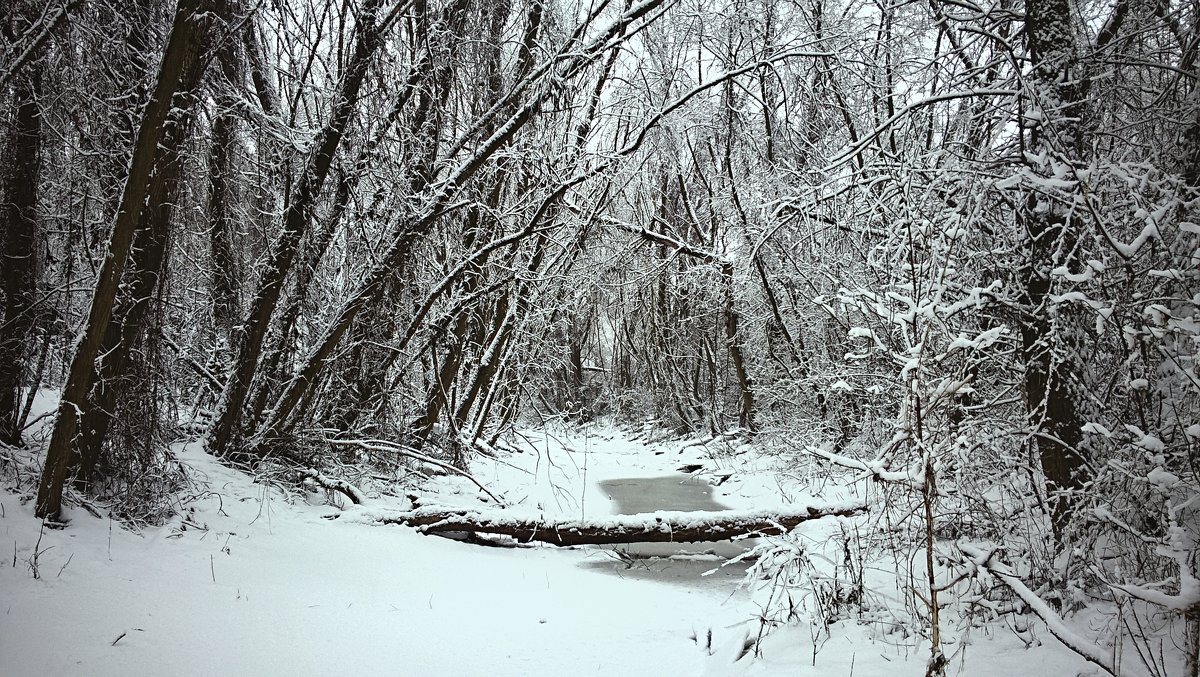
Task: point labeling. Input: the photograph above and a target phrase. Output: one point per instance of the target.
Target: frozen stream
(633, 495)
(678, 492)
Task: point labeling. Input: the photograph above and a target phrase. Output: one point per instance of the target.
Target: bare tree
(19, 249)
(370, 25)
(178, 74)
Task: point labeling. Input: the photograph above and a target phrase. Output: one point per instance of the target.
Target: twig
(64, 566)
(386, 446)
(34, 422)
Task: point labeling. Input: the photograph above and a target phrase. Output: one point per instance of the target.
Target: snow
(253, 579)
(269, 587)
(1149, 232)
(981, 341)
(1054, 623)
(1162, 478)
(1150, 443)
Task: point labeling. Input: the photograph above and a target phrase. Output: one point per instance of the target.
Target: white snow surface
(251, 580)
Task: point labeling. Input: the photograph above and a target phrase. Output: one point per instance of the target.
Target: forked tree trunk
(489, 359)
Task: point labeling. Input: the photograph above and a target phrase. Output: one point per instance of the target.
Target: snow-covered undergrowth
(251, 578)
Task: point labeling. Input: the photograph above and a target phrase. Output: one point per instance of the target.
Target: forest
(935, 261)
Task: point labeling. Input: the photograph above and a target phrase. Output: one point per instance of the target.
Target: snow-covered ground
(252, 580)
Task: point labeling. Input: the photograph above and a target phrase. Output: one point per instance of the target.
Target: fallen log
(657, 527)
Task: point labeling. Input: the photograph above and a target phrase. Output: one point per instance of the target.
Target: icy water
(633, 495)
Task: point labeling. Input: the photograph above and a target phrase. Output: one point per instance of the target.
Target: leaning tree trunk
(19, 253)
(181, 63)
(226, 430)
(394, 257)
(360, 377)
(470, 328)
(116, 377)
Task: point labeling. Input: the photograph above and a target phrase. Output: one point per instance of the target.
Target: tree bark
(116, 365)
(19, 259)
(224, 284)
(1051, 362)
(180, 64)
(733, 342)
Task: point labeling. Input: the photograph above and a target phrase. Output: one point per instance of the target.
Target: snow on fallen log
(657, 527)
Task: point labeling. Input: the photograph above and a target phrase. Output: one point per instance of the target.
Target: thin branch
(394, 448)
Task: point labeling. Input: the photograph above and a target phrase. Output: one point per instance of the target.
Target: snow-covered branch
(393, 448)
(983, 560)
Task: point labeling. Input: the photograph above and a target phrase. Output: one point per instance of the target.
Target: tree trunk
(226, 430)
(224, 282)
(115, 377)
(181, 63)
(733, 342)
(438, 394)
(1051, 362)
(662, 527)
(19, 259)
(489, 361)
